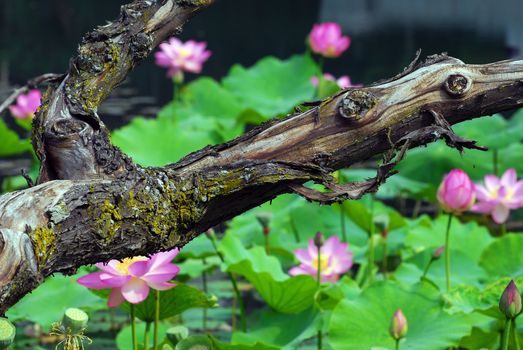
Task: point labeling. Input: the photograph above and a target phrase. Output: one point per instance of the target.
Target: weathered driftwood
(93, 203)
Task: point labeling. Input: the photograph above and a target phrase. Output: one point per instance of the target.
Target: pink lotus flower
(343, 82)
(498, 196)
(26, 104)
(326, 39)
(456, 192)
(398, 325)
(131, 278)
(335, 259)
(182, 57)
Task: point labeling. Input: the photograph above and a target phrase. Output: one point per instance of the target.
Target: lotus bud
(319, 239)
(398, 325)
(7, 333)
(510, 302)
(176, 334)
(75, 320)
(438, 252)
(456, 193)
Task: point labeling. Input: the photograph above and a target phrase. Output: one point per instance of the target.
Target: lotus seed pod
(75, 320)
(7, 333)
(195, 342)
(177, 333)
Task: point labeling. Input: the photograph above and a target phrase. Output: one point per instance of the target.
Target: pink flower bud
(326, 39)
(319, 239)
(510, 301)
(456, 193)
(438, 252)
(398, 325)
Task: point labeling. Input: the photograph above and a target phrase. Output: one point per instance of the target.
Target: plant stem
(503, 229)
(156, 318)
(427, 268)
(239, 299)
(447, 253)
(267, 245)
(146, 336)
(318, 276)
(416, 210)
(133, 328)
(205, 289)
(294, 231)
(341, 179)
(384, 262)
(397, 344)
(495, 167)
(515, 333)
(237, 293)
(506, 335)
(370, 253)
(342, 224)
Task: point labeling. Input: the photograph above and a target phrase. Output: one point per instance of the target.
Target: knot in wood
(356, 104)
(66, 127)
(457, 85)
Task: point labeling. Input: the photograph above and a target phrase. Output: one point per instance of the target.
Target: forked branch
(103, 206)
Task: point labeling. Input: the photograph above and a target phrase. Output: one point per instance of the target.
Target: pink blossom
(182, 57)
(398, 325)
(343, 82)
(26, 104)
(326, 39)
(131, 278)
(498, 196)
(335, 259)
(456, 192)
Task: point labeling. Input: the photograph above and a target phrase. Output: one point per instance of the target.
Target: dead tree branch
(100, 205)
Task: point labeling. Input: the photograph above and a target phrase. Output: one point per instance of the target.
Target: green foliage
(503, 258)
(283, 331)
(283, 293)
(63, 292)
(11, 144)
(173, 301)
(285, 312)
(273, 87)
(363, 323)
(124, 338)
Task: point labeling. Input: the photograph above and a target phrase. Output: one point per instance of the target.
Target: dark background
(39, 36)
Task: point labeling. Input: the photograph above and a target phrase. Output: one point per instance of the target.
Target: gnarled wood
(102, 205)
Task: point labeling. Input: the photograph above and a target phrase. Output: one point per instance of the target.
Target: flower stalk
(205, 289)
(370, 253)
(435, 256)
(319, 240)
(133, 328)
(238, 297)
(146, 336)
(447, 253)
(156, 318)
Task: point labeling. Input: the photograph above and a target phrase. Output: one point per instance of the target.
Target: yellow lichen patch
(109, 220)
(44, 244)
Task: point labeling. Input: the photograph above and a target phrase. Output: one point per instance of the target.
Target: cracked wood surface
(94, 204)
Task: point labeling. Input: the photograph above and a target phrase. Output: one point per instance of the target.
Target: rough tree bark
(93, 203)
